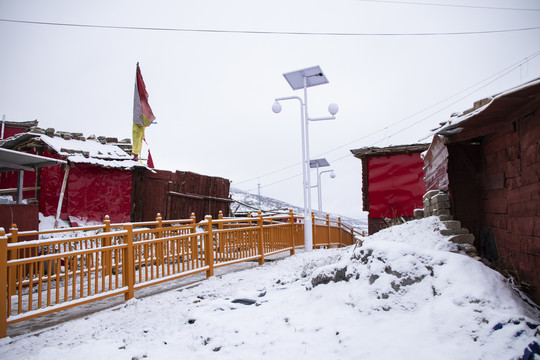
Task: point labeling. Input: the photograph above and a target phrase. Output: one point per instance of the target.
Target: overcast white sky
(212, 91)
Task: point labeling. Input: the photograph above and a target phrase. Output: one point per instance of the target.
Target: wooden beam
(14, 190)
(61, 199)
(20, 181)
(11, 167)
(198, 196)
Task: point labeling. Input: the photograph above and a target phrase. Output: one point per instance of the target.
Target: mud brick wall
(511, 193)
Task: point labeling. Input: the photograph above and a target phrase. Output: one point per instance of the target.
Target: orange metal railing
(65, 268)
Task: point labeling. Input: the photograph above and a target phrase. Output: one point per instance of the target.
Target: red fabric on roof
(396, 185)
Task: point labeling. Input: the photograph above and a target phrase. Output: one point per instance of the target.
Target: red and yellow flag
(142, 113)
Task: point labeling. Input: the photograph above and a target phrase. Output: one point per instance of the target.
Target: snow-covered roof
(78, 149)
(91, 151)
(90, 148)
(452, 126)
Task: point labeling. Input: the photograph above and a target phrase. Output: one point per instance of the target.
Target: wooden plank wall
(175, 195)
(436, 165)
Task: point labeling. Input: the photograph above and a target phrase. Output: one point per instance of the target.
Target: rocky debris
(337, 274)
(244, 301)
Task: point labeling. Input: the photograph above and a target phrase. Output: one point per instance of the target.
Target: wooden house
(392, 183)
(487, 160)
(101, 178)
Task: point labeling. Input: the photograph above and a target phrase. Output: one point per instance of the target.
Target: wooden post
(13, 255)
(340, 230)
(221, 243)
(106, 259)
(159, 235)
(209, 247)
(61, 198)
(292, 231)
(128, 268)
(193, 239)
(260, 240)
(3, 285)
(249, 234)
(328, 226)
(220, 216)
(20, 186)
(313, 230)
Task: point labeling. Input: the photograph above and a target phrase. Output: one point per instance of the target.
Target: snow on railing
(47, 271)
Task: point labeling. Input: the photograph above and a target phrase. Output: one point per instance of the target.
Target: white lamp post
(332, 175)
(317, 164)
(297, 80)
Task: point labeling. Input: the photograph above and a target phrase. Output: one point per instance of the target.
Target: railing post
(221, 244)
(193, 239)
(340, 230)
(13, 255)
(249, 233)
(209, 246)
(3, 284)
(292, 231)
(328, 226)
(128, 267)
(260, 240)
(313, 229)
(159, 235)
(105, 255)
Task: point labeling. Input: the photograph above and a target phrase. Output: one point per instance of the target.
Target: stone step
(446, 217)
(462, 239)
(430, 194)
(467, 248)
(452, 224)
(451, 232)
(418, 213)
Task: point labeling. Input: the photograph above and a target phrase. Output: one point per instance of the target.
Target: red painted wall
(94, 192)
(8, 180)
(396, 185)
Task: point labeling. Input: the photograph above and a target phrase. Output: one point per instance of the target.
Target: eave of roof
(15, 160)
(493, 108)
(389, 150)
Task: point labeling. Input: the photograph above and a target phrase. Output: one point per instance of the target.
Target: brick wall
(511, 194)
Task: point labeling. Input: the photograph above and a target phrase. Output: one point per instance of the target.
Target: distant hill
(246, 202)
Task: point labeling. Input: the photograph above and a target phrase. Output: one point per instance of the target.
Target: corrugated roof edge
(389, 150)
(455, 121)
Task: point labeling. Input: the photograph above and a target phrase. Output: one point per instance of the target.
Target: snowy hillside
(268, 204)
(401, 295)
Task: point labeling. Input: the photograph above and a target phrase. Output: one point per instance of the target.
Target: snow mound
(423, 233)
(407, 269)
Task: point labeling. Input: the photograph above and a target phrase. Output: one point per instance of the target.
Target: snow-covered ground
(401, 295)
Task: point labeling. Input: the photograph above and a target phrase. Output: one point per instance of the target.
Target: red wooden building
(392, 183)
(488, 161)
(102, 179)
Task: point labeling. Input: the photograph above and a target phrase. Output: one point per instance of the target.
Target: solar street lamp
(316, 164)
(302, 79)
